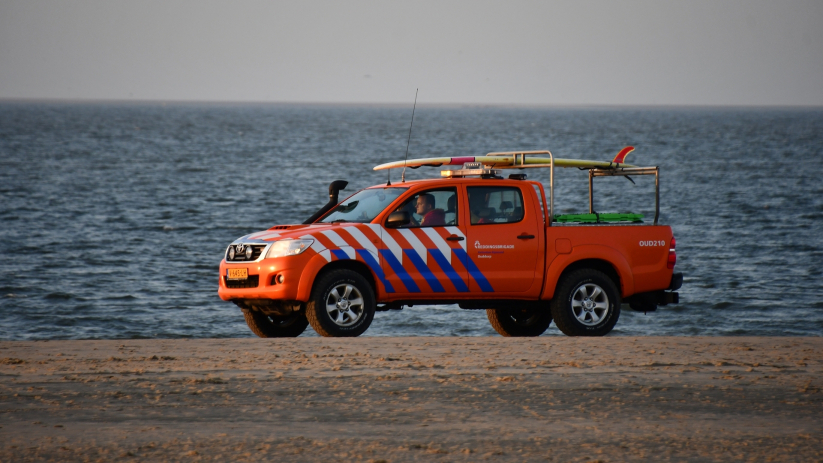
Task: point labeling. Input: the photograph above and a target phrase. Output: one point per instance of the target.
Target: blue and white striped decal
(450, 272)
(264, 235)
(374, 265)
(318, 247)
(416, 244)
(456, 231)
(393, 256)
(341, 244)
(361, 239)
(474, 272)
(390, 243)
(397, 267)
(424, 270)
(441, 244)
(369, 254)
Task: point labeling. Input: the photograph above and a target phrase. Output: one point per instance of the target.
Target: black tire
(520, 322)
(586, 303)
(331, 310)
(272, 326)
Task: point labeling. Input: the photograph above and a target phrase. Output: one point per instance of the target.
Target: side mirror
(398, 219)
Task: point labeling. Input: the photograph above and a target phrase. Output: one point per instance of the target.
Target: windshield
(364, 205)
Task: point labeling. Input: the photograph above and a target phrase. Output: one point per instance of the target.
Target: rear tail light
(672, 254)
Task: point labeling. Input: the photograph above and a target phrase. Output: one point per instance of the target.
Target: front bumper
(268, 279)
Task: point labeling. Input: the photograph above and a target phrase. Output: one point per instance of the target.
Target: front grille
(240, 256)
(251, 282)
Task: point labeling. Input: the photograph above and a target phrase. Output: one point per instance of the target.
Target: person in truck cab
(431, 217)
(423, 206)
(479, 210)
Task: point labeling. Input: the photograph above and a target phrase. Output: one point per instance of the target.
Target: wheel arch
(316, 269)
(601, 258)
(594, 264)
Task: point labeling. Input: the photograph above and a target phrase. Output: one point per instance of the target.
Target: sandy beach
(413, 399)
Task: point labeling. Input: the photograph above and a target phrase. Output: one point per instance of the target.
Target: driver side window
(431, 208)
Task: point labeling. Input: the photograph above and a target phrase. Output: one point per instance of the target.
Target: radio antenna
(403, 177)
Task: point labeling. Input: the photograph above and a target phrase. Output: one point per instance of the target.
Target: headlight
(288, 248)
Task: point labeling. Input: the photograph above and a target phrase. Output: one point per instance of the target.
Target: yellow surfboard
(511, 160)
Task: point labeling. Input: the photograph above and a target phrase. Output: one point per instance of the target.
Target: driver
(431, 217)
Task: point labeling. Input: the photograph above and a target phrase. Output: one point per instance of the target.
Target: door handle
(525, 237)
(455, 238)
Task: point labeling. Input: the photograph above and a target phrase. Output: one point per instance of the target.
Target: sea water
(114, 217)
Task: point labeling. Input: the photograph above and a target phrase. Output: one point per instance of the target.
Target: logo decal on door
(477, 245)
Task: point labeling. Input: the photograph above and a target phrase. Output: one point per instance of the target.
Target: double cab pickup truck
(472, 237)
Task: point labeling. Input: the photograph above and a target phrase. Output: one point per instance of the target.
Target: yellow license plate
(237, 274)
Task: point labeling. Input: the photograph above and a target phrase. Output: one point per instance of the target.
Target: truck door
(425, 256)
(503, 245)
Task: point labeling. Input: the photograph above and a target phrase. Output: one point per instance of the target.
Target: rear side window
(490, 205)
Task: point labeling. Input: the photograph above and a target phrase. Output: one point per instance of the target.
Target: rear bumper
(677, 281)
(666, 298)
(648, 302)
(671, 297)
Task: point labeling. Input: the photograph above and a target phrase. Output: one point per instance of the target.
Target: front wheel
(520, 322)
(586, 303)
(341, 305)
(272, 326)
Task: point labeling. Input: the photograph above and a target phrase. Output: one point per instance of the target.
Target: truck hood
(280, 232)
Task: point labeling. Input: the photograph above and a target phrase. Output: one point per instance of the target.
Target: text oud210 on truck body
(471, 237)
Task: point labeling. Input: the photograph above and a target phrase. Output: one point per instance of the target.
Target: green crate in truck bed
(598, 218)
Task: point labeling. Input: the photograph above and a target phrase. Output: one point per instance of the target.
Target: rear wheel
(520, 322)
(586, 303)
(341, 305)
(273, 326)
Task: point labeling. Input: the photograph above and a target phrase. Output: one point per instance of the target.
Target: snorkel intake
(334, 189)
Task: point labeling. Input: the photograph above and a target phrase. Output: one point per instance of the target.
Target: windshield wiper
(339, 220)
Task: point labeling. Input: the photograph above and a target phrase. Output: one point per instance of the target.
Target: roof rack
(517, 160)
(625, 172)
(491, 165)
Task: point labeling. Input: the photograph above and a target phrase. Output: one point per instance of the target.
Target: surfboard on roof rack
(513, 160)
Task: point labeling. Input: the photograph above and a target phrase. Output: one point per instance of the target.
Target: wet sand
(413, 399)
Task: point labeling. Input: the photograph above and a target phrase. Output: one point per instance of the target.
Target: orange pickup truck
(472, 238)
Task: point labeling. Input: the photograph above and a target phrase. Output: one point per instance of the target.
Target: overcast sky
(718, 52)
